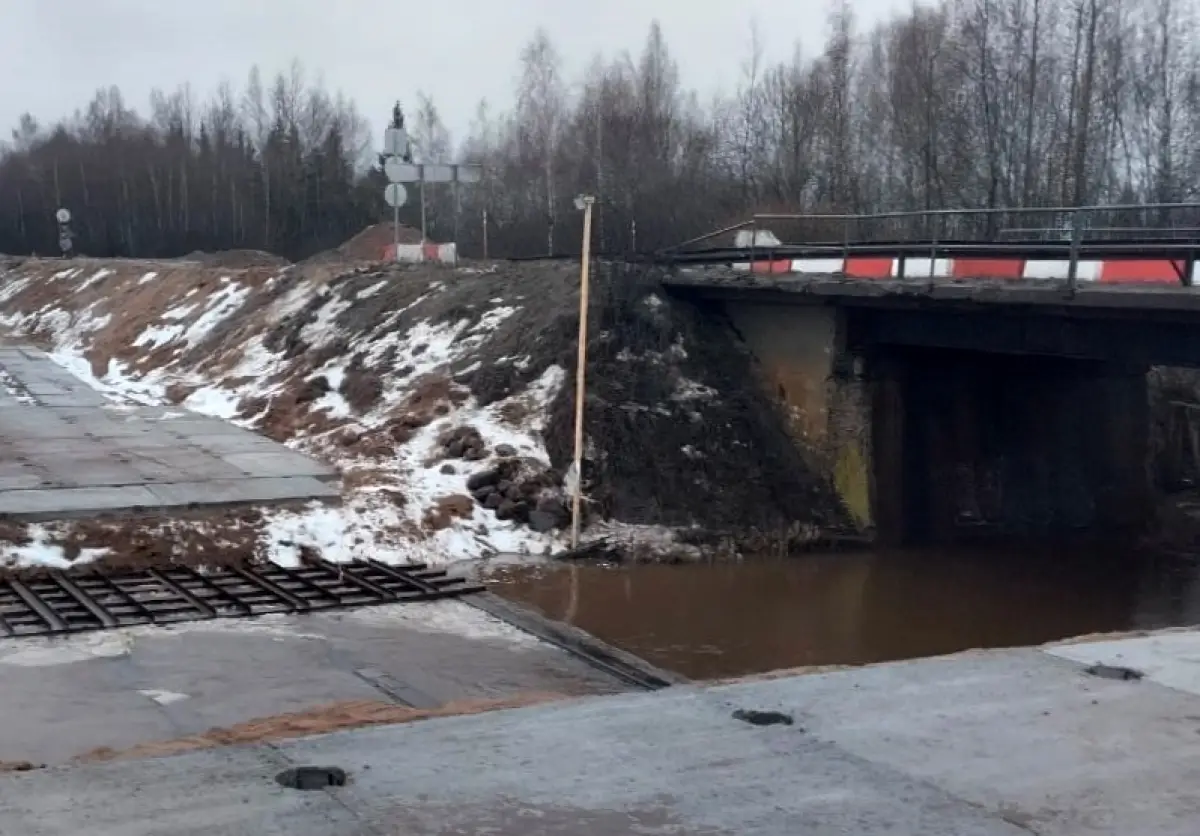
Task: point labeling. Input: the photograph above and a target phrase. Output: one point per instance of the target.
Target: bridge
(971, 383)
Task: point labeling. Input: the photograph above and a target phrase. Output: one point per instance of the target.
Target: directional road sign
(398, 171)
(395, 142)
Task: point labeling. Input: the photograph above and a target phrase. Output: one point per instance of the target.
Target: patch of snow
(341, 534)
(257, 364)
(690, 390)
(448, 617)
(332, 401)
(39, 551)
(651, 537)
(493, 318)
(12, 288)
(220, 306)
(481, 534)
(335, 374)
(292, 303)
(146, 390)
(163, 697)
(441, 345)
(177, 313)
(48, 652)
(40, 653)
(323, 329)
(156, 336)
(214, 401)
(149, 277)
(96, 277)
(368, 292)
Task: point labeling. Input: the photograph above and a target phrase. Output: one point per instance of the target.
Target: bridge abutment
(822, 390)
(938, 444)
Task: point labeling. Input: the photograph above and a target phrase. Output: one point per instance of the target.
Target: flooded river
(728, 619)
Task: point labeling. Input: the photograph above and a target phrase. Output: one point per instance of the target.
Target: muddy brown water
(712, 620)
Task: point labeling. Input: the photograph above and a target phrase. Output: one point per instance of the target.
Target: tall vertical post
(424, 224)
(485, 235)
(457, 212)
(396, 230)
(581, 367)
(1076, 240)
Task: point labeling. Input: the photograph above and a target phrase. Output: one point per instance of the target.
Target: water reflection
(713, 620)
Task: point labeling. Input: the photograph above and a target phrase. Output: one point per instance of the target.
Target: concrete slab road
(1006, 743)
(147, 688)
(68, 451)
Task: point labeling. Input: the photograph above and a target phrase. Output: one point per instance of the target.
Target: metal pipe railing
(1075, 227)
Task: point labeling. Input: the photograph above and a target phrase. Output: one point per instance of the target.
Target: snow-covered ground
(139, 335)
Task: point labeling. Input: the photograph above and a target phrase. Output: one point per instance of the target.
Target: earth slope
(443, 394)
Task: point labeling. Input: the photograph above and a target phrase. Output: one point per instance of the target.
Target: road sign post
(399, 171)
(398, 149)
(65, 236)
(396, 196)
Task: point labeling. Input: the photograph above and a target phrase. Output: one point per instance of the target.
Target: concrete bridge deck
(68, 451)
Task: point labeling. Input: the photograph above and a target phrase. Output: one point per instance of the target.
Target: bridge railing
(1069, 229)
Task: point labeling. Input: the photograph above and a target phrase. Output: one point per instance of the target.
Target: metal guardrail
(1104, 233)
(938, 241)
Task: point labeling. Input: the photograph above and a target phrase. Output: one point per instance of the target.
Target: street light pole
(585, 203)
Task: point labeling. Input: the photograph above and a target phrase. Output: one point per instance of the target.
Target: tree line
(270, 168)
(956, 104)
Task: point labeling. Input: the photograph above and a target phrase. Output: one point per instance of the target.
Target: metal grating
(75, 602)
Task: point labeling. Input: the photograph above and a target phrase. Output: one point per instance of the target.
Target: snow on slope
(226, 343)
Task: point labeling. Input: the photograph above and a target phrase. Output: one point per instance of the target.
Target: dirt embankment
(444, 394)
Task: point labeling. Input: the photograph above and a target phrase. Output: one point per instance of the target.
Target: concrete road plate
(67, 451)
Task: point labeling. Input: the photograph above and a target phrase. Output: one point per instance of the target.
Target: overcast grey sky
(54, 54)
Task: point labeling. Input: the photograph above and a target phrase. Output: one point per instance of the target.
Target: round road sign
(63, 216)
(395, 195)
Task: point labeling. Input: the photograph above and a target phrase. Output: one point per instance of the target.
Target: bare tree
(539, 119)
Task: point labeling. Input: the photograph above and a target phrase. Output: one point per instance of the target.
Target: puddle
(716, 620)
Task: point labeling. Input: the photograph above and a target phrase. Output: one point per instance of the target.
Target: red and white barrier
(416, 253)
(1149, 271)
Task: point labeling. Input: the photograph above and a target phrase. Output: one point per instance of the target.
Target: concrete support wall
(804, 365)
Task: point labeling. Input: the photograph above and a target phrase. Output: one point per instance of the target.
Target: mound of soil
(238, 259)
(676, 434)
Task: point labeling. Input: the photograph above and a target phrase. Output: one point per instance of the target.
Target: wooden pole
(581, 369)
